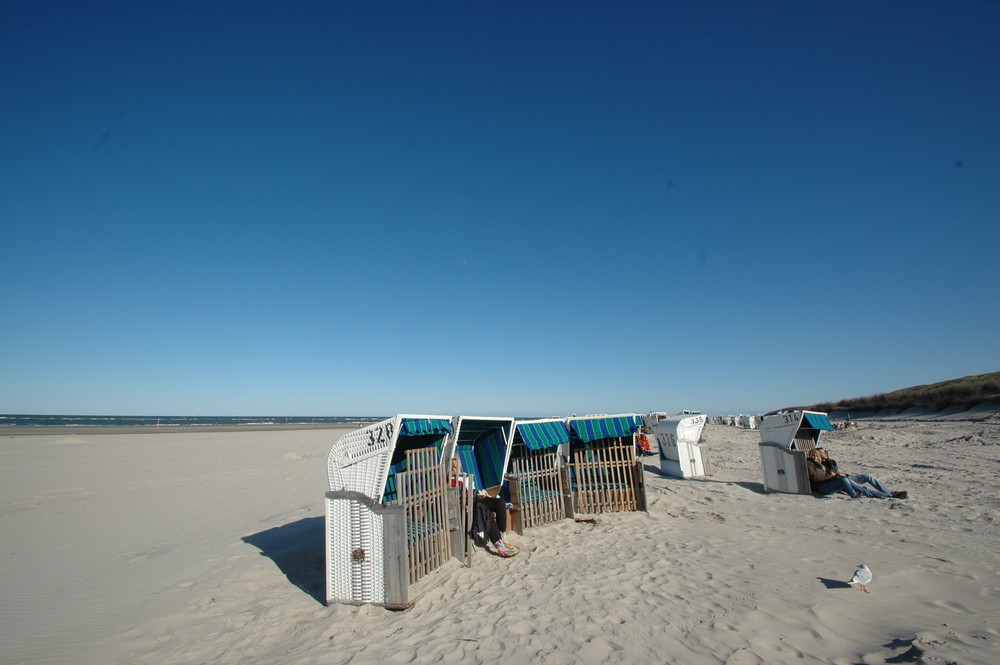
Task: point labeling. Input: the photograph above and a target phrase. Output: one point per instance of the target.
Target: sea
(19, 420)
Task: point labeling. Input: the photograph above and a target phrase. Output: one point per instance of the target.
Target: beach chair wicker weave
(355, 567)
(360, 459)
(379, 540)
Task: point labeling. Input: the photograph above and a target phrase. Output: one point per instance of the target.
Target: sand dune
(182, 548)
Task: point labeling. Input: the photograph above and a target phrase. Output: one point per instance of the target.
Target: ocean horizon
(37, 420)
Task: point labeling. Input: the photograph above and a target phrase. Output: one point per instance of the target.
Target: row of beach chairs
(397, 520)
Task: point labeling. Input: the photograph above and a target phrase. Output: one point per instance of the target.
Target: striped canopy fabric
(389, 495)
(419, 426)
(591, 429)
(538, 436)
(484, 458)
(819, 421)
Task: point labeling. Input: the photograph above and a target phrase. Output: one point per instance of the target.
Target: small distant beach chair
(391, 515)
(784, 440)
(681, 454)
(605, 474)
(539, 481)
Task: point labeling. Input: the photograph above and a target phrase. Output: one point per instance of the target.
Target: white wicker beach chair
(377, 544)
(680, 453)
(784, 440)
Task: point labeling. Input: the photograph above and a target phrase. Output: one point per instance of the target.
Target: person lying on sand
(489, 515)
(825, 479)
(860, 480)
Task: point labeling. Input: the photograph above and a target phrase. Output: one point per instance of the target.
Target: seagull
(862, 576)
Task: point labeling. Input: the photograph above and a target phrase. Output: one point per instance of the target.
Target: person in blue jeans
(860, 481)
(824, 478)
(824, 481)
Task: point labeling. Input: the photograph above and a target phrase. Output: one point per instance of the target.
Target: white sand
(186, 548)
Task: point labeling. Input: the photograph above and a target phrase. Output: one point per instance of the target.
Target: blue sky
(320, 208)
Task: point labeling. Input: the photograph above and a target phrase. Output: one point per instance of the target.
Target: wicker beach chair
(482, 444)
(605, 473)
(784, 440)
(681, 454)
(389, 525)
(539, 480)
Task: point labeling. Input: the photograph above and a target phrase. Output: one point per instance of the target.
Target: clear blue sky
(318, 208)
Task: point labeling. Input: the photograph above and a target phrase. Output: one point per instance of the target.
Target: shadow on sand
(834, 584)
(756, 488)
(297, 549)
(653, 469)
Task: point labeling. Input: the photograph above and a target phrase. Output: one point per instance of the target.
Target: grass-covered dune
(966, 392)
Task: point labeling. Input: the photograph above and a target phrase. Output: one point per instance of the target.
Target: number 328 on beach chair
(388, 524)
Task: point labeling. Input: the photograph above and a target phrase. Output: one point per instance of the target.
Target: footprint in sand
(521, 628)
(744, 656)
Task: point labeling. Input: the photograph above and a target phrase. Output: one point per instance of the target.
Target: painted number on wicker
(380, 435)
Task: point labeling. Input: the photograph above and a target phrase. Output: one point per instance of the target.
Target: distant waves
(177, 421)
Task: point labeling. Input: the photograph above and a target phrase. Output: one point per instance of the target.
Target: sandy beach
(173, 548)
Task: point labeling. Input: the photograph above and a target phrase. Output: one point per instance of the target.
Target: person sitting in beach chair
(489, 515)
(642, 445)
(825, 479)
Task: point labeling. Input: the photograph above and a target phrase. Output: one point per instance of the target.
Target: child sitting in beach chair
(642, 447)
(489, 514)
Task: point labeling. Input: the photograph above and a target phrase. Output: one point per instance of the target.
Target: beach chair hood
(360, 460)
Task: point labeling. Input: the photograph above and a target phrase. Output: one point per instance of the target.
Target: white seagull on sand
(862, 576)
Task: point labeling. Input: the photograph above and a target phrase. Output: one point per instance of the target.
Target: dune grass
(965, 392)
